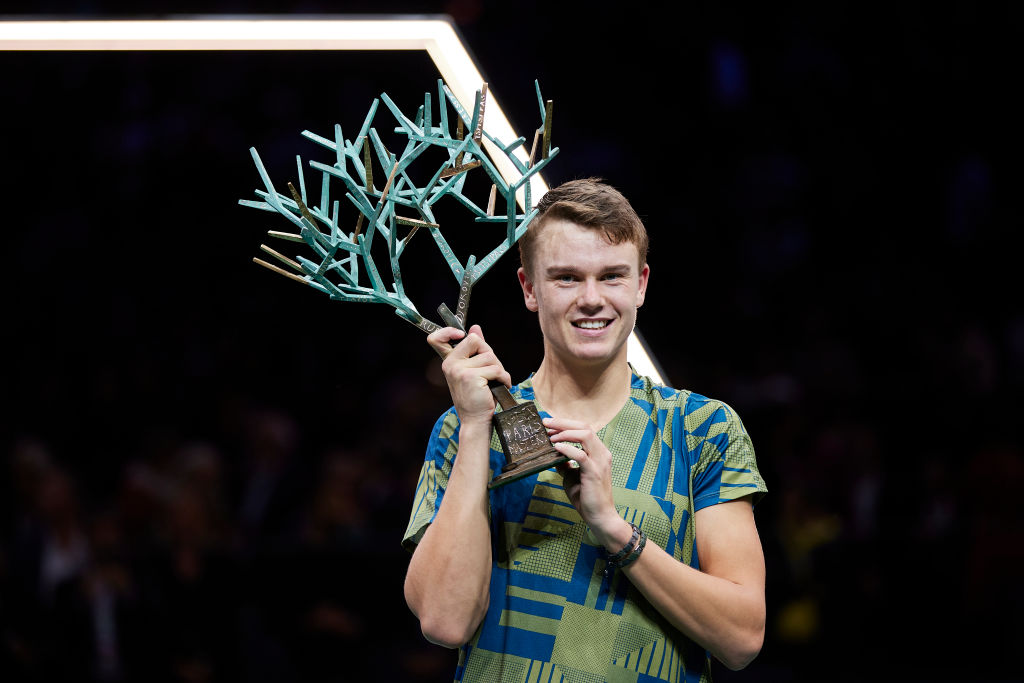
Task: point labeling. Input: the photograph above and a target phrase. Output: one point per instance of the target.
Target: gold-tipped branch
(460, 134)
(460, 168)
(490, 200)
(281, 257)
(302, 207)
(548, 107)
(401, 220)
(282, 271)
(416, 225)
(533, 148)
(387, 186)
(367, 164)
(291, 237)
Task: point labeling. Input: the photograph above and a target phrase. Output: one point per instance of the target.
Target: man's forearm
(721, 606)
(725, 617)
(449, 575)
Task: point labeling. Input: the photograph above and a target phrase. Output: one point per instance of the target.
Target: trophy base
(527, 466)
(526, 444)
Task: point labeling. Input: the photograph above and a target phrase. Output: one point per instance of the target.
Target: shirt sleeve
(726, 468)
(433, 479)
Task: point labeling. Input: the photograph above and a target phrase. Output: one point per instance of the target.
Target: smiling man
(639, 559)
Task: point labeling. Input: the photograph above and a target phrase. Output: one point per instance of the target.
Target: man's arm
(722, 606)
(447, 583)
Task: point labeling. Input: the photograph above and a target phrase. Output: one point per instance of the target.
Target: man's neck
(592, 394)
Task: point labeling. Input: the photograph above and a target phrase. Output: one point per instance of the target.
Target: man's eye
(566, 278)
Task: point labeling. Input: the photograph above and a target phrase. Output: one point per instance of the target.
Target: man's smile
(591, 324)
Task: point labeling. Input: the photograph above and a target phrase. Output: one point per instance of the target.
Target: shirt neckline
(606, 432)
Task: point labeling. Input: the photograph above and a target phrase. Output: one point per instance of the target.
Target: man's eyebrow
(570, 268)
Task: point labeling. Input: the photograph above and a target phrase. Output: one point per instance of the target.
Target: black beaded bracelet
(631, 558)
(629, 553)
(628, 548)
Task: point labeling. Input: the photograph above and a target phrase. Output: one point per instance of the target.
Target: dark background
(225, 459)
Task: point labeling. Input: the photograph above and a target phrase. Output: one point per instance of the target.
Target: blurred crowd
(268, 564)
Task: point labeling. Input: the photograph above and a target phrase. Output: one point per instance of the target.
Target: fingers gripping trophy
(341, 263)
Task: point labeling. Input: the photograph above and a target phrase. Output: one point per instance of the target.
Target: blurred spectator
(272, 479)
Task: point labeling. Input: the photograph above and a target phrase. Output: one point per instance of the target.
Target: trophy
(341, 264)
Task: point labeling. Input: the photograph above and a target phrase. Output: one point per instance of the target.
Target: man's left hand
(589, 486)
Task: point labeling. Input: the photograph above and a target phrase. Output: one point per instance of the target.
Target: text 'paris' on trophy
(342, 264)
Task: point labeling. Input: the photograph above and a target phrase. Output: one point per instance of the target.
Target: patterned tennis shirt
(553, 614)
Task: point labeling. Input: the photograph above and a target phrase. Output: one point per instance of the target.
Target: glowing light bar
(436, 36)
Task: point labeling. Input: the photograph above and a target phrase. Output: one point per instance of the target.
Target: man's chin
(593, 354)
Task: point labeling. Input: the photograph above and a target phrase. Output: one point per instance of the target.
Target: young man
(639, 559)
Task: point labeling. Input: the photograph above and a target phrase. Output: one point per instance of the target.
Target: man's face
(585, 292)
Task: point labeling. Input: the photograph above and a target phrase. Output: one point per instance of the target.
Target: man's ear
(641, 293)
(529, 295)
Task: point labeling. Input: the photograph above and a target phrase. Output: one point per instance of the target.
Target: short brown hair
(591, 203)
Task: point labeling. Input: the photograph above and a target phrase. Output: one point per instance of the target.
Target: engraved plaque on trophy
(342, 264)
(524, 439)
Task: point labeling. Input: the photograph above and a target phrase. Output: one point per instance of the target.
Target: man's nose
(590, 294)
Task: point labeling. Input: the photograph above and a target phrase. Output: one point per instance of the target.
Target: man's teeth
(592, 324)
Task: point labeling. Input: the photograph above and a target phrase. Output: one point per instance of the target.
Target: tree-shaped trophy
(342, 264)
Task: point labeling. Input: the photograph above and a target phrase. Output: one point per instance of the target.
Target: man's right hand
(468, 367)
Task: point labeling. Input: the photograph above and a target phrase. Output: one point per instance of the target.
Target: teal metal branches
(341, 261)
